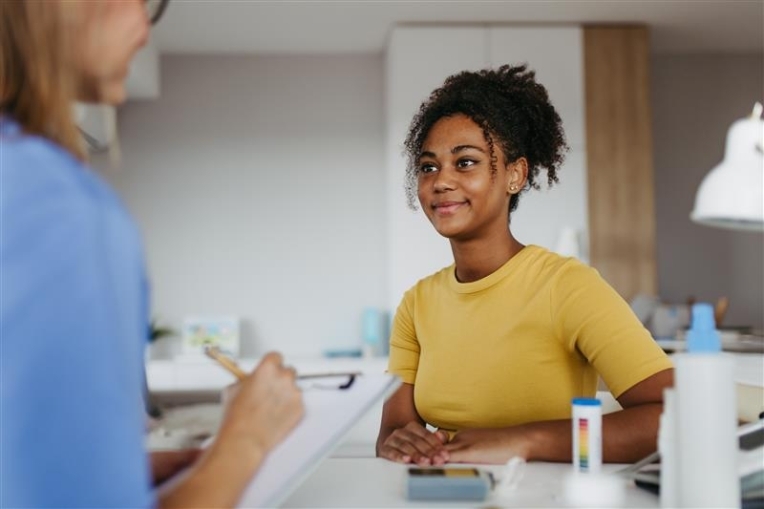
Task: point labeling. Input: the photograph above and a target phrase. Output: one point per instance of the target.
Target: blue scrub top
(73, 327)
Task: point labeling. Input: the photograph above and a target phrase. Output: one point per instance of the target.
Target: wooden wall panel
(620, 157)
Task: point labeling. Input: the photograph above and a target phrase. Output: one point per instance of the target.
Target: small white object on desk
(512, 475)
(593, 490)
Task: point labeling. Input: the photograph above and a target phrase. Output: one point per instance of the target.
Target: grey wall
(695, 99)
(258, 183)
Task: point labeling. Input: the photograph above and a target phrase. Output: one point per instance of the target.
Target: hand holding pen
(266, 405)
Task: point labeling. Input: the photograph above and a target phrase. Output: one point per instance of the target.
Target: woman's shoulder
(567, 276)
(428, 285)
(547, 267)
(35, 168)
(544, 260)
(434, 280)
(22, 152)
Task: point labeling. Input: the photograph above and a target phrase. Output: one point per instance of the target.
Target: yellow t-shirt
(517, 345)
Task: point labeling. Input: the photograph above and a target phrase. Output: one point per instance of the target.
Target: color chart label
(583, 444)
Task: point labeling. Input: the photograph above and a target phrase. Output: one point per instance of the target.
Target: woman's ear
(518, 175)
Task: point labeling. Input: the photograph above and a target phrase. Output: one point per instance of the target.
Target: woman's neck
(478, 258)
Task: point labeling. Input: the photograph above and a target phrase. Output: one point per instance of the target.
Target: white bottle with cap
(706, 418)
(587, 435)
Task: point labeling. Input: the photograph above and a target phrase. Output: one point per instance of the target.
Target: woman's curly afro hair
(514, 112)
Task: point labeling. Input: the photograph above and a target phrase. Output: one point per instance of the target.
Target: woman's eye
(427, 168)
(465, 163)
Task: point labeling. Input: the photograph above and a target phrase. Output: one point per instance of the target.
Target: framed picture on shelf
(202, 331)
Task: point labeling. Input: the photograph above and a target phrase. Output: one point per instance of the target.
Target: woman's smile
(448, 208)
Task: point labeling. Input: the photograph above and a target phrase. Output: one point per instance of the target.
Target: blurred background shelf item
(734, 339)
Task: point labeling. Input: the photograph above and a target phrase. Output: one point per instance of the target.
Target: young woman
(493, 348)
(74, 306)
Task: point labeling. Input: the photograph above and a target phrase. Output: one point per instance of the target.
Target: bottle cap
(703, 336)
(587, 402)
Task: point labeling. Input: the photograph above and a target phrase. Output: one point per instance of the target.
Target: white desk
(373, 482)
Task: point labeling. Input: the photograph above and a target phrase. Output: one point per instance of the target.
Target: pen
(229, 364)
(214, 352)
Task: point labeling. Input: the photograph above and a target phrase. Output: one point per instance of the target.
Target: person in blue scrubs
(74, 308)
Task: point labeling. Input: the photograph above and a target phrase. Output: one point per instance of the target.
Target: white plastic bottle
(706, 418)
(587, 435)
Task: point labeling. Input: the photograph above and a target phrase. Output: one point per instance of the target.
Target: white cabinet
(418, 60)
(556, 54)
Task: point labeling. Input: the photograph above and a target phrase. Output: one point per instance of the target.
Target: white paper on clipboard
(329, 415)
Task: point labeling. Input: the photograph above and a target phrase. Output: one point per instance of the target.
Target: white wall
(258, 183)
(695, 98)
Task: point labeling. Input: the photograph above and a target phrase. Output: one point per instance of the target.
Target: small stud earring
(513, 188)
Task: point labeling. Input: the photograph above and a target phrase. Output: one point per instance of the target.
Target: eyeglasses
(155, 9)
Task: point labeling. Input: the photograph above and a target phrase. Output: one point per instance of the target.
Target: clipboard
(329, 415)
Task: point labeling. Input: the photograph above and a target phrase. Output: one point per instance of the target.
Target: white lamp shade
(732, 194)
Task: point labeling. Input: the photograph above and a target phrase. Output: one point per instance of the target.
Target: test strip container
(587, 435)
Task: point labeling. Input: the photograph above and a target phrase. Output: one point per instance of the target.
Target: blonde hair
(37, 79)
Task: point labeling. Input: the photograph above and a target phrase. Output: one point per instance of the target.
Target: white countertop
(374, 482)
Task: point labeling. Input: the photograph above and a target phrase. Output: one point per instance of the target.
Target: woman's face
(112, 31)
(457, 188)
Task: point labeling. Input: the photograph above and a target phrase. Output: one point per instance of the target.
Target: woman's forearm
(630, 434)
(217, 480)
(627, 436)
